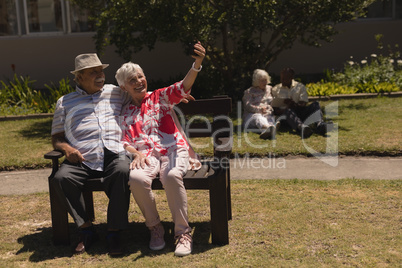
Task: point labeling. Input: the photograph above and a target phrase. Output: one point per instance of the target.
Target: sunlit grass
(364, 127)
(276, 223)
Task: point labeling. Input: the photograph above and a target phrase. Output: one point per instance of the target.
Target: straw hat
(85, 61)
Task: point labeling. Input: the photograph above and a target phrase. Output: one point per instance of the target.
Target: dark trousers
(69, 182)
(298, 115)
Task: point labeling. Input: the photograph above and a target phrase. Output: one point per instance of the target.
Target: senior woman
(258, 112)
(158, 146)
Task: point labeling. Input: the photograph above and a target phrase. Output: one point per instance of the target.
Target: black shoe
(268, 133)
(323, 128)
(86, 237)
(113, 241)
(305, 131)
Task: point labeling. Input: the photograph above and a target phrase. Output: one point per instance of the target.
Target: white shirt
(297, 92)
(91, 122)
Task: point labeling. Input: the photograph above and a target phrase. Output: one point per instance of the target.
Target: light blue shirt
(91, 122)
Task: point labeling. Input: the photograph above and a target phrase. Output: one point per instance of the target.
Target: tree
(239, 35)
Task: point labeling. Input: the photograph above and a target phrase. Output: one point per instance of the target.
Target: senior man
(86, 128)
(290, 100)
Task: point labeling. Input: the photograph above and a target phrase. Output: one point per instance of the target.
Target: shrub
(329, 88)
(17, 96)
(383, 72)
(378, 69)
(55, 92)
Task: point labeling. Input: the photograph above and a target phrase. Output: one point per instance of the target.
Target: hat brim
(104, 66)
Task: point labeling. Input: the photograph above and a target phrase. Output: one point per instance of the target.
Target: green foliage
(331, 88)
(56, 92)
(328, 88)
(377, 69)
(382, 87)
(18, 97)
(239, 35)
(378, 73)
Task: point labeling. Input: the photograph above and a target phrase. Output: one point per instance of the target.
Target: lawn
(364, 127)
(276, 223)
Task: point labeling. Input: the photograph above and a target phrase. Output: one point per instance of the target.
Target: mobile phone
(190, 50)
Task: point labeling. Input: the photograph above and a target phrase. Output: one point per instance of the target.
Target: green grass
(365, 127)
(276, 223)
(24, 142)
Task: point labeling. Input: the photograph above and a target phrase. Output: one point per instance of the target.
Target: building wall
(354, 39)
(48, 59)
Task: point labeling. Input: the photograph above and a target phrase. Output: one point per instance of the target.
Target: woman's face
(136, 85)
(262, 83)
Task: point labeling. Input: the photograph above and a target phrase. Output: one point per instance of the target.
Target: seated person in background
(258, 113)
(158, 147)
(290, 100)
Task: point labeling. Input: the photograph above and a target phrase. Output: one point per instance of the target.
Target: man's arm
(59, 143)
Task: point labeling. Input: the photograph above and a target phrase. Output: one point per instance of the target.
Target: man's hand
(289, 102)
(74, 156)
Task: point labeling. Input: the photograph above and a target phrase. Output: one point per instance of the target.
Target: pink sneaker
(184, 245)
(157, 233)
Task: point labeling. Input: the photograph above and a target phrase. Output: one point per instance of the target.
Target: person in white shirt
(290, 102)
(258, 112)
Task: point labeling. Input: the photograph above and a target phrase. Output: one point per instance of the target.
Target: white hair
(125, 71)
(258, 75)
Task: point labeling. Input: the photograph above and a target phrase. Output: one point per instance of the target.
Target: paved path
(33, 181)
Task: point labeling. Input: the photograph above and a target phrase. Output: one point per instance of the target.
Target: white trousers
(171, 168)
(258, 122)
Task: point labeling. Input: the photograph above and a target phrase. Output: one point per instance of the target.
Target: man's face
(286, 79)
(92, 79)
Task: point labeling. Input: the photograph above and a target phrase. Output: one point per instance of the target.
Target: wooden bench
(214, 174)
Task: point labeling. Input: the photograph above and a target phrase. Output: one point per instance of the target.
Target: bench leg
(60, 229)
(229, 196)
(219, 208)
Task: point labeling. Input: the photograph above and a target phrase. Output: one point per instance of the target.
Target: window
(24, 17)
(44, 16)
(391, 9)
(8, 18)
(79, 20)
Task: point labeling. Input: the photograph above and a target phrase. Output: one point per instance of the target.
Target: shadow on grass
(38, 129)
(134, 239)
(355, 106)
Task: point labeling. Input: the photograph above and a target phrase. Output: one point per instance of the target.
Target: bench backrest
(206, 117)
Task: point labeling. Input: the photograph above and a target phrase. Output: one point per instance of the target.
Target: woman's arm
(139, 160)
(189, 79)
